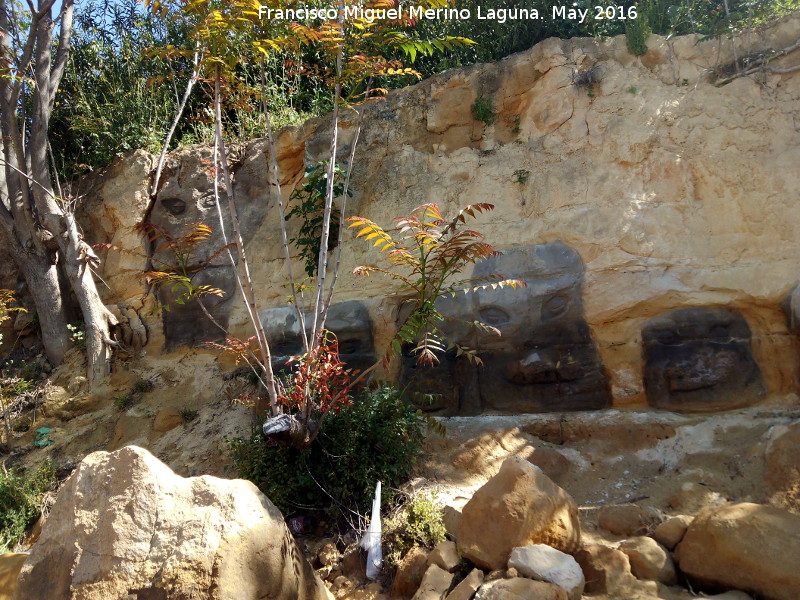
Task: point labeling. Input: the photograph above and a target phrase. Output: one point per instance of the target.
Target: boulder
(466, 589)
(435, 584)
(519, 506)
(10, 565)
(520, 588)
(744, 546)
(548, 564)
(445, 555)
(624, 519)
(124, 525)
(649, 560)
(606, 570)
(671, 531)
(409, 573)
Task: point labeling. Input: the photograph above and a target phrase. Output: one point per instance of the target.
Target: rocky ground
(609, 502)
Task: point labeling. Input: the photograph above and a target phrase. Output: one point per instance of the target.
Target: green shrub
(375, 438)
(483, 110)
(188, 414)
(637, 31)
(419, 523)
(21, 501)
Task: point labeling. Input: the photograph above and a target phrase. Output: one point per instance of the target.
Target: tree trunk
(41, 275)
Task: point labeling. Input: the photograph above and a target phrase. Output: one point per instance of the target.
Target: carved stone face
(185, 197)
(350, 321)
(699, 359)
(544, 358)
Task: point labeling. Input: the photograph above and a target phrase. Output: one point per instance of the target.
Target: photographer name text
(501, 15)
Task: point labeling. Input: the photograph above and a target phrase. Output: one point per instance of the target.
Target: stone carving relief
(187, 197)
(349, 321)
(699, 359)
(544, 359)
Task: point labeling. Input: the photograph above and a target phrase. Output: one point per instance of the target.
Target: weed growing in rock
(483, 110)
(124, 401)
(143, 385)
(417, 523)
(21, 501)
(188, 414)
(521, 176)
(376, 438)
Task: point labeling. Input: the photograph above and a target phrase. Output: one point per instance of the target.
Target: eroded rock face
(125, 526)
(544, 358)
(699, 359)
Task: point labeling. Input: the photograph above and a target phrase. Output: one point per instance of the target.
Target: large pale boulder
(519, 506)
(744, 546)
(125, 526)
(548, 564)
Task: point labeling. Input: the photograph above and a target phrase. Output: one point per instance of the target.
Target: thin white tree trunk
(273, 154)
(242, 270)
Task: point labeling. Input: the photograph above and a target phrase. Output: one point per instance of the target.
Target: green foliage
(637, 31)
(419, 523)
(375, 438)
(632, 89)
(521, 176)
(77, 336)
(124, 401)
(483, 110)
(185, 253)
(143, 385)
(188, 414)
(307, 205)
(425, 260)
(21, 501)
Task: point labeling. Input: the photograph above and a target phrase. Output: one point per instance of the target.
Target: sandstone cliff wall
(674, 192)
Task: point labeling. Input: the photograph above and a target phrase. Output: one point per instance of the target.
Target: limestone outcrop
(124, 525)
(667, 191)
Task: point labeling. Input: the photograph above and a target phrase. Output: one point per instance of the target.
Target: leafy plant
(77, 336)
(184, 249)
(637, 31)
(377, 437)
(188, 414)
(309, 209)
(124, 401)
(521, 176)
(418, 523)
(21, 501)
(143, 385)
(425, 260)
(483, 110)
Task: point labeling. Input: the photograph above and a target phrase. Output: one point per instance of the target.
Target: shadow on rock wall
(545, 358)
